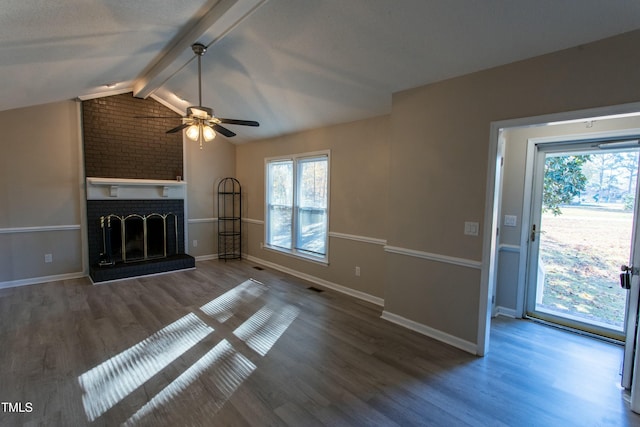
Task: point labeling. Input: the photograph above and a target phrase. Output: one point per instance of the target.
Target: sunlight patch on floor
(264, 328)
(113, 380)
(229, 370)
(223, 307)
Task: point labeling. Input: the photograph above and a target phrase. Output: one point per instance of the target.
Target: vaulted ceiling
(289, 64)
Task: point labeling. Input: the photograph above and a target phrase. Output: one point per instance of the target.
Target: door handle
(534, 232)
(625, 276)
(625, 280)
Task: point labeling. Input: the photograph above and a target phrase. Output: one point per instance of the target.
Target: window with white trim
(297, 200)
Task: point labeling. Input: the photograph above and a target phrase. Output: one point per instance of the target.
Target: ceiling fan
(200, 122)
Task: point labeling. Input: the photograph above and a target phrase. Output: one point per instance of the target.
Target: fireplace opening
(156, 236)
(134, 237)
(134, 240)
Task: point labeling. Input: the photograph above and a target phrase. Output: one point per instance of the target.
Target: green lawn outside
(582, 251)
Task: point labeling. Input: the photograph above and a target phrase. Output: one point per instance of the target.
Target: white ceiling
(289, 64)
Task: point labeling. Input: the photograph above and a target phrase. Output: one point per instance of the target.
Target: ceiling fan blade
(239, 122)
(178, 128)
(157, 117)
(224, 131)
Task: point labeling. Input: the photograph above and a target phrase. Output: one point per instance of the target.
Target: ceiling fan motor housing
(200, 112)
(199, 49)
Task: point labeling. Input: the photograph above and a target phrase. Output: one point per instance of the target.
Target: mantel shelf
(125, 188)
(135, 182)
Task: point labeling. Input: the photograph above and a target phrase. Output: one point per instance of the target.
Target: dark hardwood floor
(213, 347)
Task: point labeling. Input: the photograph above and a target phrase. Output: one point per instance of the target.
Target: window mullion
(294, 216)
(268, 197)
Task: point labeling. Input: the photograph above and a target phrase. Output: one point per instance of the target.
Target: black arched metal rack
(229, 219)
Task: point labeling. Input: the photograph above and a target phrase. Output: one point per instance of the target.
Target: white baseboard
(43, 279)
(206, 257)
(334, 286)
(467, 346)
(394, 318)
(506, 312)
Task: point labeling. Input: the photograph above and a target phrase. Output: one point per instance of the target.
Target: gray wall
(439, 144)
(204, 170)
(40, 192)
(358, 194)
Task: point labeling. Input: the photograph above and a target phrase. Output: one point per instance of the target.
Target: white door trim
(488, 278)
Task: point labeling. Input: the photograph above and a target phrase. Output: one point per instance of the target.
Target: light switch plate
(471, 228)
(510, 220)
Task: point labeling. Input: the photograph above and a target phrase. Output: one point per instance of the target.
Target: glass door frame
(540, 151)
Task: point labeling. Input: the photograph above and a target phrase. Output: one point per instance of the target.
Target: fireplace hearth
(129, 238)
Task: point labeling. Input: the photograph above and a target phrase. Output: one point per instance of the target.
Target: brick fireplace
(135, 196)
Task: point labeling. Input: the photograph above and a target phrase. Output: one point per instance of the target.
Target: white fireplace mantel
(134, 189)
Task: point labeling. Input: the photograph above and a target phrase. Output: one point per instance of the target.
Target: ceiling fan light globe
(208, 133)
(193, 132)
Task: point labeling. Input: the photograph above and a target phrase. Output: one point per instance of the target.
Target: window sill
(297, 255)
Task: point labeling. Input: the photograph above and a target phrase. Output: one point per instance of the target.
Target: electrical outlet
(48, 258)
(195, 243)
(357, 271)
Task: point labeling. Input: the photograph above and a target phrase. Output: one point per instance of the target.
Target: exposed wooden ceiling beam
(218, 21)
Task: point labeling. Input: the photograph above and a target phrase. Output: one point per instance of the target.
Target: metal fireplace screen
(136, 237)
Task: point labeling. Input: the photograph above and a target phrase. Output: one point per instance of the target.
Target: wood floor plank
(330, 361)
